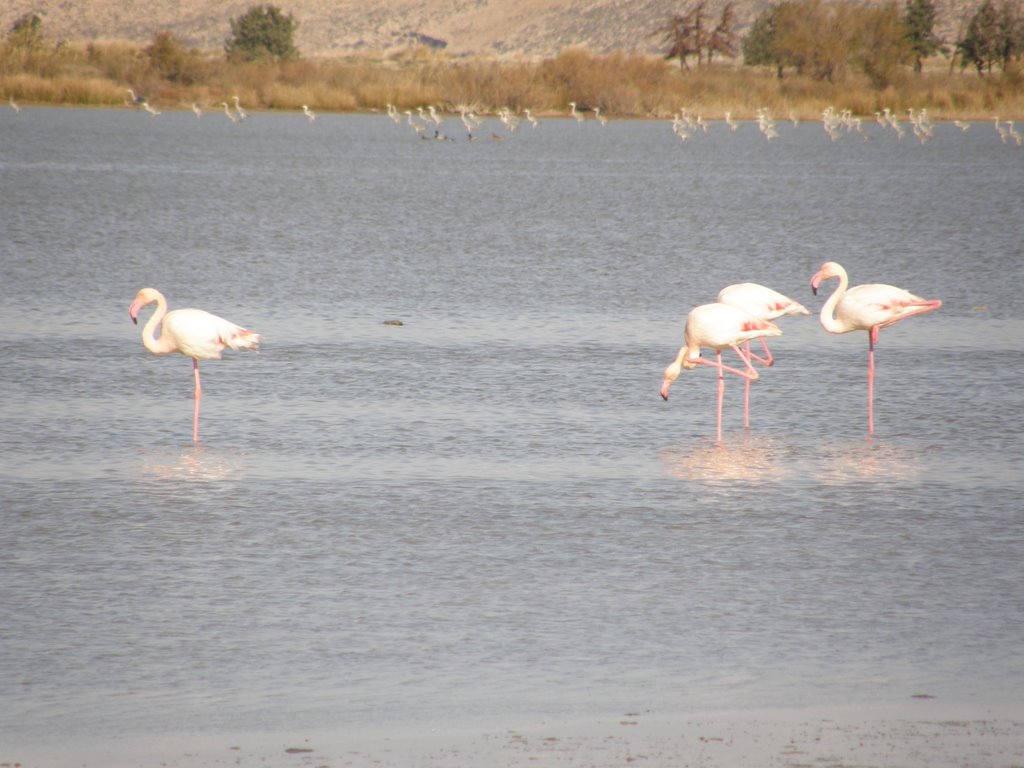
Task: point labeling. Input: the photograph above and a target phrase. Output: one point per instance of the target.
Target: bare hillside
(333, 27)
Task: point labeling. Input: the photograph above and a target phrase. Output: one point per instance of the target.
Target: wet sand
(923, 732)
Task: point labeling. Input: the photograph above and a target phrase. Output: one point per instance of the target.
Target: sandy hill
(332, 27)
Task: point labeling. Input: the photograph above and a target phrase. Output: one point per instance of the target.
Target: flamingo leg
(198, 396)
(746, 391)
(767, 361)
(872, 338)
(750, 374)
(721, 392)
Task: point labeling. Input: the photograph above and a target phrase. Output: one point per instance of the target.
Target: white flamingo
(191, 332)
(763, 303)
(870, 308)
(717, 326)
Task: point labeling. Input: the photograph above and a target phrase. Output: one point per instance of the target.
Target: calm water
(488, 511)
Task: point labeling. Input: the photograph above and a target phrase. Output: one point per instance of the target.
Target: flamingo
(242, 114)
(866, 308)
(309, 113)
(192, 332)
(765, 304)
(717, 326)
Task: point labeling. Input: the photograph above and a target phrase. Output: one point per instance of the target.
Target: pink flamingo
(763, 303)
(866, 308)
(192, 332)
(717, 326)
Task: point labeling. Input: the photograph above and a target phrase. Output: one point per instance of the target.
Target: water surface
(488, 512)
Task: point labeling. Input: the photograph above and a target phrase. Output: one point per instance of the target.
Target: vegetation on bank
(261, 66)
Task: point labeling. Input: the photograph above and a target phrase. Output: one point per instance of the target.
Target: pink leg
(768, 361)
(872, 337)
(721, 392)
(198, 395)
(748, 374)
(746, 395)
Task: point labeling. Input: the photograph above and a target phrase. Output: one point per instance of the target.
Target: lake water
(488, 512)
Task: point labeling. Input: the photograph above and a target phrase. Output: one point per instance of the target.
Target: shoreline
(918, 732)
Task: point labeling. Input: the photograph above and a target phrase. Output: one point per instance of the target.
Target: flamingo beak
(133, 312)
(815, 282)
(664, 389)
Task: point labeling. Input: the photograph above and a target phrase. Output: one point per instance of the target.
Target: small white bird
(308, 113)
(14, 104)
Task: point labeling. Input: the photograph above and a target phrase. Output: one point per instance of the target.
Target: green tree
(882, 47)
(1010, 34)
(262, 32)
(759, 44)
(919, 21)
(27, 31)
(980, 44)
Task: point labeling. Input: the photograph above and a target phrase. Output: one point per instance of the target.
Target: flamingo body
(760, 301)
(194, 333)
(868, 307)
(717, 326)
(764, 303)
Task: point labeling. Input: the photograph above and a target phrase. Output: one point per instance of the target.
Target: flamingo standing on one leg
(192, 332)
(866, 308)
(717, 326)
(764, 303)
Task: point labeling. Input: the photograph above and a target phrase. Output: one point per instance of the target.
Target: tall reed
(621, 84)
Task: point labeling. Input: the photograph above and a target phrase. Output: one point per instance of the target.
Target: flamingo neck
(828, 319)
(161, 345)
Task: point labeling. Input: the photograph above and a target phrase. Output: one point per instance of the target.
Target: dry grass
(621, 84)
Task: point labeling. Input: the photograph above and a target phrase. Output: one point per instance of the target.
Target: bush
(262, 32)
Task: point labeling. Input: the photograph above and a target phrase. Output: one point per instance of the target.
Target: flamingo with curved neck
(194, 333)
(717, 326)
(868, 307)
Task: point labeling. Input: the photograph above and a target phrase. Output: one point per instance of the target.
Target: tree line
(824, 39)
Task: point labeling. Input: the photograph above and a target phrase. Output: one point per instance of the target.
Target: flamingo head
(143, 298)
(828, 269)
(685, 360)
(671, 374)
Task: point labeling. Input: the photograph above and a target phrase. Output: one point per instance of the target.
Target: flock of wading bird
(742, 312)
(428, 122)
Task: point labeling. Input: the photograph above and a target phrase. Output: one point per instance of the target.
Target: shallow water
(488, 511)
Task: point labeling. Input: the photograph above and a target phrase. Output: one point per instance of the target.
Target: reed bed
(621, 84)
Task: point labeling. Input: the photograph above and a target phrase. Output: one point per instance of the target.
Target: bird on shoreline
(717, 326)
(194, 333)
(310, 114)
(868, 307)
